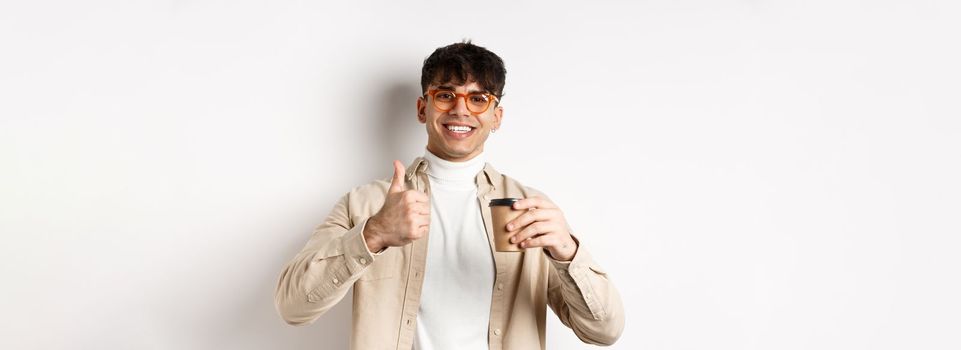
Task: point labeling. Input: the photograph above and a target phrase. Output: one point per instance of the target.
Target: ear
(498, 114)
(421, 110)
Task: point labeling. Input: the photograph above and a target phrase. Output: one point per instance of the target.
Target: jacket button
(500, 286)
(336, 281)
(497, 331)
(363, 261)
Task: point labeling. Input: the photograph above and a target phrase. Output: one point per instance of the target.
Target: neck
(456, 171)
(447, 157)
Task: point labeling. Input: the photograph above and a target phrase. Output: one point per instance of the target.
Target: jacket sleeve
(321, 274)
(582, 295)
(584, 299)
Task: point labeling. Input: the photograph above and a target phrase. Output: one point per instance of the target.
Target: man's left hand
(543, 226)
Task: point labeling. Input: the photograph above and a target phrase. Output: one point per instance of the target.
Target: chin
(457, 153)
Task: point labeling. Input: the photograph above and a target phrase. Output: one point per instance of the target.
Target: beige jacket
(387, 286)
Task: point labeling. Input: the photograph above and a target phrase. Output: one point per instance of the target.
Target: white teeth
(458, 129)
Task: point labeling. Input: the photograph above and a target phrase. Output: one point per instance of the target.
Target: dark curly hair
(461, 63)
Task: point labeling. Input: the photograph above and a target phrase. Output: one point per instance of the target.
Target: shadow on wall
(257, 324)
(399, 136)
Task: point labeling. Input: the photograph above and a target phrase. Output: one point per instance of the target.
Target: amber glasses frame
(491, 99)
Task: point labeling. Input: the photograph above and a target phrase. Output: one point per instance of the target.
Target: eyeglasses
(477, 102)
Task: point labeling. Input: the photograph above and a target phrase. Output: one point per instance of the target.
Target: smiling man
(418, 249)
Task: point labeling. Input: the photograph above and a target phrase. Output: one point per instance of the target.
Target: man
(418, 249)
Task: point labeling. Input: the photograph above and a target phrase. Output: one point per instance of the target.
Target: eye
(478, 99)
(444, 96)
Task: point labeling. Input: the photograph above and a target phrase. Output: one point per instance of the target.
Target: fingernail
(510, 227)
(513, 239)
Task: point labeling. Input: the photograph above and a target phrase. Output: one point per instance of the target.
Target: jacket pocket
(598, 270)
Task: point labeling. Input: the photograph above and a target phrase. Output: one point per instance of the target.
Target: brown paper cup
(502, 212)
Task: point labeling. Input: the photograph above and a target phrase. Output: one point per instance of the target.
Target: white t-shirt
(459, 277)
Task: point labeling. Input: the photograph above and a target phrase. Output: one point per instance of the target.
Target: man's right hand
(404, 218)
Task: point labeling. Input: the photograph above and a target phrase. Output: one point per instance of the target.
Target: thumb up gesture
(404, 218)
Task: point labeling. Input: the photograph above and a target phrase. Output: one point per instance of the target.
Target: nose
(460, 107)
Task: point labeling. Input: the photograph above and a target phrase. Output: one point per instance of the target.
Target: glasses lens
(444, 99)
(477, 103)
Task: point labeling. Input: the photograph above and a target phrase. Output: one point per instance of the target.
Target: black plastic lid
(507, 202)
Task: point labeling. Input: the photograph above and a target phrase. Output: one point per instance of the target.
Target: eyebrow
(451, 88)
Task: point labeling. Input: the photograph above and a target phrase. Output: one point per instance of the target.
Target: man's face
(456, 145)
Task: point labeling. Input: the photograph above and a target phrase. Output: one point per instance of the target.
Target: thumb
(397, 183)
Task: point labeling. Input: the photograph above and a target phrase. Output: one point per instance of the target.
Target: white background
(753, 174)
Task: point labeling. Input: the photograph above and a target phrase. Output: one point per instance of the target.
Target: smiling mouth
(459, 129)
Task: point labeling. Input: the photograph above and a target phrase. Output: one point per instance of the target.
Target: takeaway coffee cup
(502, 212)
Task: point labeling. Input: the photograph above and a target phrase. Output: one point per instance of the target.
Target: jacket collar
(485, 179)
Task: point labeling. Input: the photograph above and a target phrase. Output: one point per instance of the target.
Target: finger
(417, 232)
(397, 183)
(422, 221)
(531, 230)
(539, 241)
(420, 208)
(527, 218)
(414, 196)
(534, 202)
(419, 197)
(419, 229)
